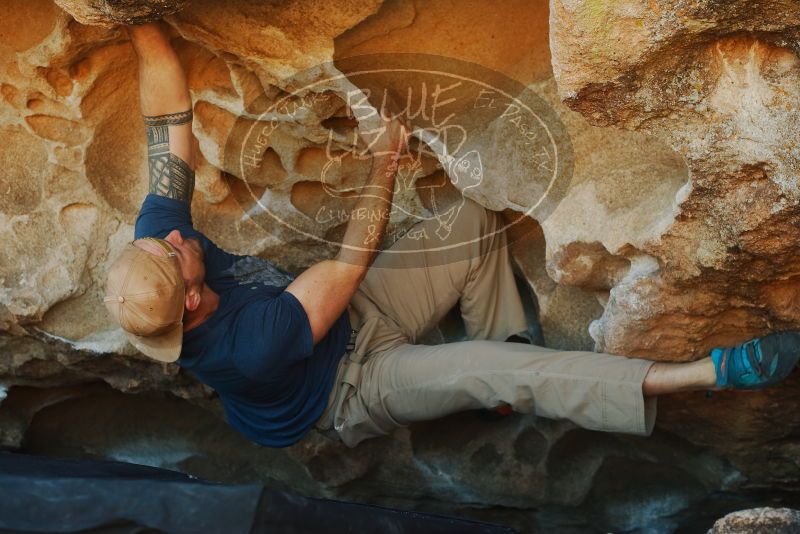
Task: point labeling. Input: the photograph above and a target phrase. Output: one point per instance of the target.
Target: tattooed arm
(170, 175)
(167, 109)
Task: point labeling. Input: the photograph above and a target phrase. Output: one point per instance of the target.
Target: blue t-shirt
(256, 350)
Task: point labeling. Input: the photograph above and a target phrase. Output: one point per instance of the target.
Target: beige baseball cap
(145, 295)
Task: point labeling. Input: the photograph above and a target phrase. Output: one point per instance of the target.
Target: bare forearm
(369, 218)
(167, 109)
(325, 289)
(162, 83)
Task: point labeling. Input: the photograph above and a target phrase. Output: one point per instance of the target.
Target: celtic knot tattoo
(170, 176)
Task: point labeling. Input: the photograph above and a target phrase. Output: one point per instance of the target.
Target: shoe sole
(785, 346)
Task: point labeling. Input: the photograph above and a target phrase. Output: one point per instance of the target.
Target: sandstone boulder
(714, 82)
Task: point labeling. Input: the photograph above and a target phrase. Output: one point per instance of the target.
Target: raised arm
(325, 289)
(167, 109)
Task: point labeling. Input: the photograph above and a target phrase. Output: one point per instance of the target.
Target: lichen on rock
(109, 12)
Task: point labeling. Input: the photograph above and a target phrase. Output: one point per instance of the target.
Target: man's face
(189, 254)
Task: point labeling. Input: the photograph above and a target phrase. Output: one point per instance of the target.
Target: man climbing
(335, 348)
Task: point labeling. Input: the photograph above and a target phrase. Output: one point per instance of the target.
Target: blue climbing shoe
(758, 363)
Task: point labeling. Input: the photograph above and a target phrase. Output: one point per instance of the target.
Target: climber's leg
(598, 391)
(413, 284)
(756, 364)
(411, 383)
(665, 377)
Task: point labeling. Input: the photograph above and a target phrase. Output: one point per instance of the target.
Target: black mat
(42, 494)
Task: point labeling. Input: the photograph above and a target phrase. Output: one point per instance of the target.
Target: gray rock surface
(759, 521)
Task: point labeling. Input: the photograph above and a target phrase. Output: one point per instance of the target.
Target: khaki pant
(388, 381)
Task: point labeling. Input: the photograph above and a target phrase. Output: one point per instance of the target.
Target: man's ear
(192, 299)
